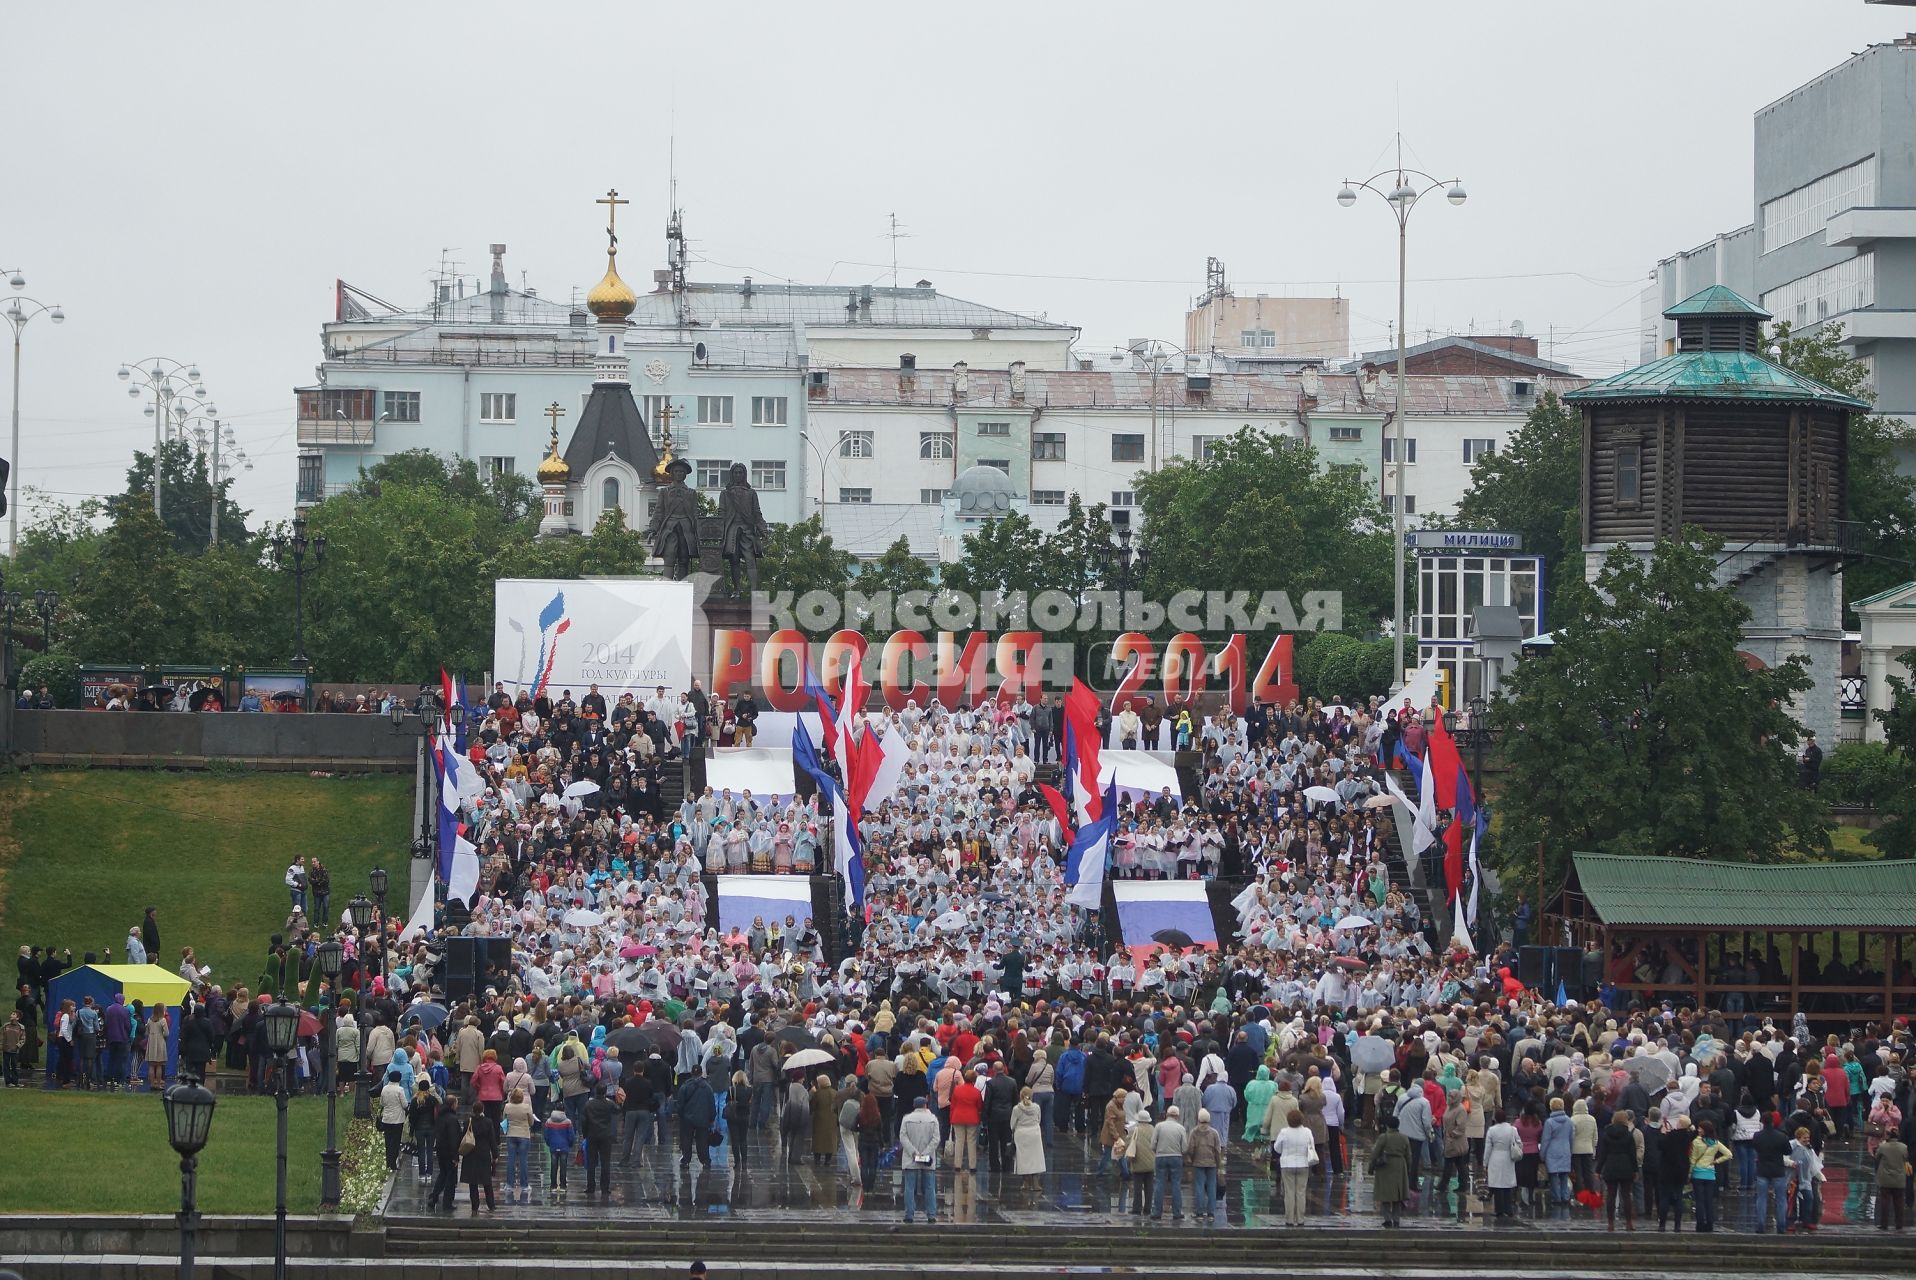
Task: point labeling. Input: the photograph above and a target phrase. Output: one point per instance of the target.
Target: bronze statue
(742, 530)
(674, 532)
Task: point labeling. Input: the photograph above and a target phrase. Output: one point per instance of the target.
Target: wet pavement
(757, 1183)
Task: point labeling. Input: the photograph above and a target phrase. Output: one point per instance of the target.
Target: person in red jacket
(489, 1086)
(967, 1110)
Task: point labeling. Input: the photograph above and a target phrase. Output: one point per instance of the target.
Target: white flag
(464, 882)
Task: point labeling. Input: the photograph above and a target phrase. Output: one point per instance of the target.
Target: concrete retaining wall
(162, 738)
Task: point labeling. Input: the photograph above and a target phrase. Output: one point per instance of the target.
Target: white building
(888, 443)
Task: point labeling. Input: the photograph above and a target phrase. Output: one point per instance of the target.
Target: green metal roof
(1717, 300)
(1675, 892)
(1881, 596)
(1714, 375)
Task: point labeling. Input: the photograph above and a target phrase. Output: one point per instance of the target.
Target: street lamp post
(44, 604)
(290, 554)
(330, 958)
(379, 884)
(1151, 351)
(17, 315)
(812, 444)
(1408, 186)
(189, 1122)
(282, 1033)
(168, 379)
(1124, 564)
(358, 914)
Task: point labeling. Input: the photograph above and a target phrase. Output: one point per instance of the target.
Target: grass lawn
(1849, 842)
(83, 853)
(100, 1153)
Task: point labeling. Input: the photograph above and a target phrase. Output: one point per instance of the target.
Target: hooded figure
(1257, 1096)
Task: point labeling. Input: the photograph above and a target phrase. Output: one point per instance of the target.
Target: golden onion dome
(611, 298)
(554, 468)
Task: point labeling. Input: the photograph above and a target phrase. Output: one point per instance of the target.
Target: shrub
(1863, 773)
(59, 672)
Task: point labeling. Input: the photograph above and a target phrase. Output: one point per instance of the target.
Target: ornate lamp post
(1124, 564)
(291, 554)
(167, 379)
(330, 957)
(282, 1033)
(23, 310)
(189, 1122)
(44, 604)
(1406, 188)
(378, 879)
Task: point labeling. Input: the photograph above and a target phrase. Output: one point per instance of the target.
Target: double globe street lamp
(22, 310)
(189, 1122)
(1401, 189)
(330, 959)
(282, 1034)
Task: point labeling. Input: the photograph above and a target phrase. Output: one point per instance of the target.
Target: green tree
(1534, 486)
(1897, 836)
(1258, 515)
(802, 557)
(1002, 555)
(127, 606)
(1643, 731)
(186, 496)
(1881, 499)
(610, 548)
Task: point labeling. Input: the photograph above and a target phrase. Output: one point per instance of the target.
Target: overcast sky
(188, 181)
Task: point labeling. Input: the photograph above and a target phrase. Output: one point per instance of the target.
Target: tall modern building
(1832, 237)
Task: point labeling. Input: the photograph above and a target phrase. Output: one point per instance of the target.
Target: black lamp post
(9, 609)
(291, 554)
(330, 958)
(189, 1122)
(44, 603)
(282, 1033)
(1123, 563)
(378, 878)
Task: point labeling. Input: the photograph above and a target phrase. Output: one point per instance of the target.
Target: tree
(186, 496)
(1259, 515)
(127, 607)
(1002, 555)
(1534, 486)
(610, 548)
(1642, 730)
(802, 557)
(1897, 836)
(1881, 498)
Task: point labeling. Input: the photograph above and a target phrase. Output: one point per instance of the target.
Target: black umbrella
(631, 1043)
(200, 697)
(1173, 938)
(795, 1036)
(660, 1036)
(158, 690)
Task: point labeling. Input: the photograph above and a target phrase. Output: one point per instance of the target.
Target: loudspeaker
(1569, 971)
(458, 966)
(1533, 968)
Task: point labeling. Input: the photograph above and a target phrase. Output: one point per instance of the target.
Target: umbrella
(158, 690)
(201, 696)
(808, 1058)
(1173, 938)
(585, 787)
(1323, 793)
(630, 1042)
(1651, 1073)
(308, 1023)
(1354, 922)
(950, 920)
(660, 1036)
(1373, 1053)
(797, 1037)
(583, 916)
(1351, 963)
(1378, 802)
(426, 1015)
(637, 950)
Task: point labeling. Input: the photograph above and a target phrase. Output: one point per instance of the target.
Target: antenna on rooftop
(895, 235)
(443, 280)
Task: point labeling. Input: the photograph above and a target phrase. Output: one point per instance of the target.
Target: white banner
(622, 634)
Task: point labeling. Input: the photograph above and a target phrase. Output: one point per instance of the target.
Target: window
(401, 406)
(1127, 448)
(329, 404)
(860, 497)
(609, 494)
(653, 409)
(711, 472)
(768, 411)
(310, 484)
(1347, 435)
(1410, 449)
(857, 444)
(994, 428)
(1003, 464)
(1475, 449)
(496, 466)
(1846, 286)
(768, 474)
(1123, 498)
(1201, 447)
(936, 446)
(931, 497)
(1410, 503)
(715, 411)
(1802, 212)
(1629, 476)
(1257, 338)
(498, 406)
(1047, 446)
(1047, 497)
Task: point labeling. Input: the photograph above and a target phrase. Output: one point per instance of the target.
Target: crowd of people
(977, 1019)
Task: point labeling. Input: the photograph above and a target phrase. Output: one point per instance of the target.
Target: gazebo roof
(1665, 892)
(1714, 375)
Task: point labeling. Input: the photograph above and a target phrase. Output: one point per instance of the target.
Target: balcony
(335, 430)
(1860, 226)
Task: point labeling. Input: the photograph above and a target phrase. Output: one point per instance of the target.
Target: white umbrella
(1377, 802)
(1354, 922)
(950, 920)
(1323, 793)
(583, 916)
(1373, 1053)
(549, 800)
(584, 788)
(808, 1058)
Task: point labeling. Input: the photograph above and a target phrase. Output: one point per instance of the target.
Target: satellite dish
(1516, 328)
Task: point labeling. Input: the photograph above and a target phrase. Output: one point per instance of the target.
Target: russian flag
(827, 718)
(1085, 861)
(1446, 769)
(1081, 751)
(847, 856)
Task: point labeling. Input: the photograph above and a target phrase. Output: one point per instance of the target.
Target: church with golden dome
(608, 462)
